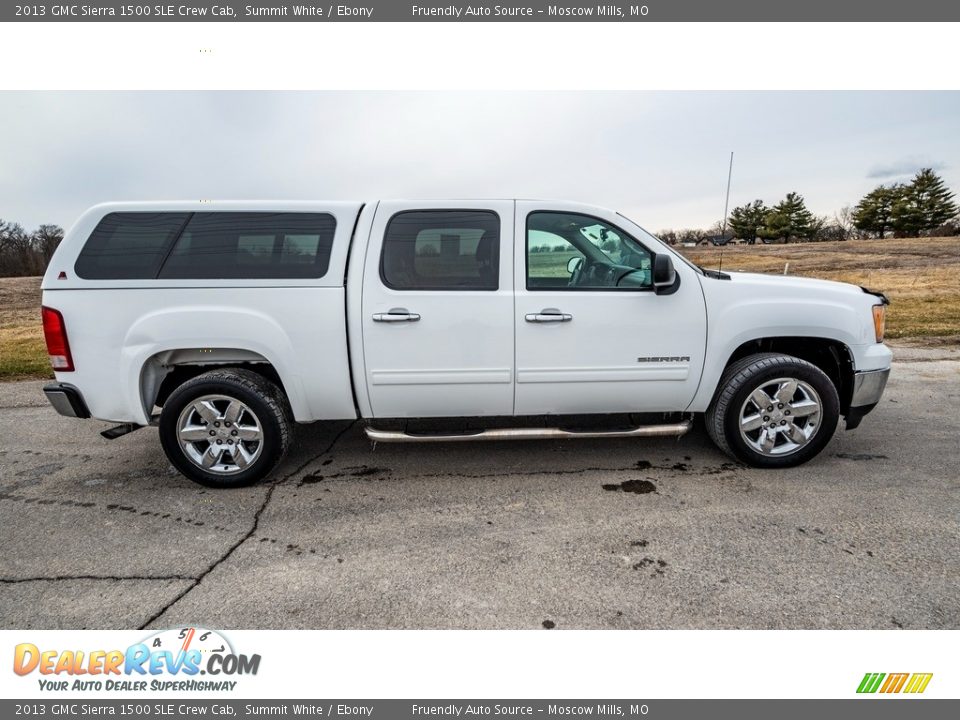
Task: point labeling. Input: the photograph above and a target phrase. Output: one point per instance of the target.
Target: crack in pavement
(26, 499)
(117, 578)
(110, 507)
(113, 507)
(251, 532)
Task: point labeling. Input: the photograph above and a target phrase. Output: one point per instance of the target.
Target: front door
(592, 335)
(437, 310)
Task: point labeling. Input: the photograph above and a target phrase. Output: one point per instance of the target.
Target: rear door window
(442, 250)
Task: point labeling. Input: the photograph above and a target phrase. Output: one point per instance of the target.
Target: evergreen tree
(789, 218)
(776, 225)
(924, 204)
(747, 220)
(874, 212)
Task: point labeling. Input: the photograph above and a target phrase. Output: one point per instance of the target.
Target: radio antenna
(726, 208)
(726, 203)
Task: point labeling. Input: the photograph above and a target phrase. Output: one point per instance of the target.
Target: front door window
(580, 252)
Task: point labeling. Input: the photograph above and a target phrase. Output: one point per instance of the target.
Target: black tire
(739, 381)
(262, 397)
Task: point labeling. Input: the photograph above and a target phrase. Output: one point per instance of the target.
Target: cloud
(905, 166)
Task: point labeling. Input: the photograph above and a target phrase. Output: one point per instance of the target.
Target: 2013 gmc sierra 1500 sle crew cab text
(224, 322)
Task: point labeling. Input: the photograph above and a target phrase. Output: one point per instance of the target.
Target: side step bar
(397, 436)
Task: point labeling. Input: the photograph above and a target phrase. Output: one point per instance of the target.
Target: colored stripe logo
(913, 683)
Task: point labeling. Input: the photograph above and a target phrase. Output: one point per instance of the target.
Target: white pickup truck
(452, 320)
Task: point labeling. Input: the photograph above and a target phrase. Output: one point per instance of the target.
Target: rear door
(437, 309)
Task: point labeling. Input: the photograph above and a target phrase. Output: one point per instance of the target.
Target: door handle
(396, 315)
(548, 315)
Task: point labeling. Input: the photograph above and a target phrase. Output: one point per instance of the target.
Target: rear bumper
(868, 387)
(66, 400)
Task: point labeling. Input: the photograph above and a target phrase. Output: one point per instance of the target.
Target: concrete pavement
(573, 534)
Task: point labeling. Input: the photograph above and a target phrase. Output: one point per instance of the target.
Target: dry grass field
(920, 276)
(22, 350)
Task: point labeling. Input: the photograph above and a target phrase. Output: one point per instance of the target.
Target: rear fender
(236, 329)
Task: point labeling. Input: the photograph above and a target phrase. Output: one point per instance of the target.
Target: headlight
(879, 321)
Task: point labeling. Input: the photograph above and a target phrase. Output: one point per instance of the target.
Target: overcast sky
(660, 158)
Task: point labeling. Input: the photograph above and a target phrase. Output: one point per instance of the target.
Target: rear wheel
(773, 411)
(225, 428)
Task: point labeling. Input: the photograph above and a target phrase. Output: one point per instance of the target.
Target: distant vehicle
(223, 323)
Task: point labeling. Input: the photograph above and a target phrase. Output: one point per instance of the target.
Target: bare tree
(46, 238)
(23, 253)
(843, 220)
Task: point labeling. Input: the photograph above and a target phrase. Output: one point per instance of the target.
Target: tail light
(55, 333)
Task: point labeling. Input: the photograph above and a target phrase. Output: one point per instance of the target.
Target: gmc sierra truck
(222, 323)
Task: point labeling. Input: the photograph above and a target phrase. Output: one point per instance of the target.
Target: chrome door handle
(548, 315)
(396, 315)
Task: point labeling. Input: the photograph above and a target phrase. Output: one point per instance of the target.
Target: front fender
(731, 324)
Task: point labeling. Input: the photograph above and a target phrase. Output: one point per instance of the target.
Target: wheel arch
(832, 356)
(165, 371)
(180, 336)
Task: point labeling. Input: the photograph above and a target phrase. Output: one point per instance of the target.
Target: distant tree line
(924, 206)
(26, 253)
(548, 248)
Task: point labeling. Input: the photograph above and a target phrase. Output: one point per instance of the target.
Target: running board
(396, 436)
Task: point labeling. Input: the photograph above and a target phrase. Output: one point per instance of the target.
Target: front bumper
(868, 387)
(66, 400)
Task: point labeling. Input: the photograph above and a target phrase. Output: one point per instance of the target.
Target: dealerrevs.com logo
(168, 660)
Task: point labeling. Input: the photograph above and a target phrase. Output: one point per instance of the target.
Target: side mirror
(573, 263)
(664, 274)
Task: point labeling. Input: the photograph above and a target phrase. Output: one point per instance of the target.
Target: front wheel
(773, 411)
(225, 428)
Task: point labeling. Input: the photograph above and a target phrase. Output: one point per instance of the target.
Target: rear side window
(442, 250)
(129, 245)
(251, 245)
(209, 246)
